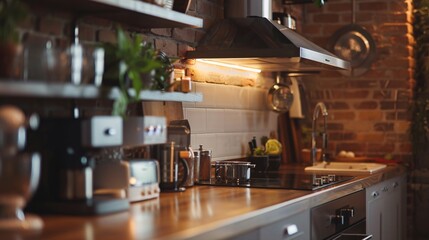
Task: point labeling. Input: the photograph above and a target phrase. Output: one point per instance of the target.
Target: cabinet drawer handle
(290, 230)
(375, 194)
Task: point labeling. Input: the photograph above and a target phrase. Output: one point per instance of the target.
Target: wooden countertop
(201, 212)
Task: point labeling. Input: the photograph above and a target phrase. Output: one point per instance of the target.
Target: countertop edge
(246, 222)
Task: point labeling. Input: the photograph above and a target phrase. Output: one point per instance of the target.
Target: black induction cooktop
(283, 181)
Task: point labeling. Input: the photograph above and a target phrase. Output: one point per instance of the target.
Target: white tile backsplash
(228, 118)
(210, 95)
(263, 120)
(241, 97)
(227, 97)
(233, 97)
(258, 99)
(215, 121)
(209, 141)
(252, 121)
(230, 143)
(197, 118)
(233, 120)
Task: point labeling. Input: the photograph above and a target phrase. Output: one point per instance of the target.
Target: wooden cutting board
(290, 137)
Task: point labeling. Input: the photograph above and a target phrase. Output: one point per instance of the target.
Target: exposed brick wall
(368, 114)
(54, 24)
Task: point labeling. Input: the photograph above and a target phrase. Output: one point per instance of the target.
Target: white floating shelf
(132, 12)
(60, 90)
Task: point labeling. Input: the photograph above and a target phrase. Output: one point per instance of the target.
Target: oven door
(345, 215)
(354, 232)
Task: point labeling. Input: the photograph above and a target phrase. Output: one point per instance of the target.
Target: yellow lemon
(273, 147)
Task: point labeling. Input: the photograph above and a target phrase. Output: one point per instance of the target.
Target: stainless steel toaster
(136, 179)
(143, 181)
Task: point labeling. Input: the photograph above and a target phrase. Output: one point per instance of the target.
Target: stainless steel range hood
(260, 43)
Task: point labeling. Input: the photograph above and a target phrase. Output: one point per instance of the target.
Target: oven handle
(353, 236)
(343, 215)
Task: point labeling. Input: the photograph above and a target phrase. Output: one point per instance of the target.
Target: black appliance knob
(317, 181)
(338, 220)
(110, 132)
(325, 180)
(347, 212)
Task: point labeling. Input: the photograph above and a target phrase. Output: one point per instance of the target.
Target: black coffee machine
(68, 147)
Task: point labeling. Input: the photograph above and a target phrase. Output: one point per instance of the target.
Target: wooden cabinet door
(389, 215)
(374, 206)
(296, 227)
(251, 235)
(386, 206)
(398, 193)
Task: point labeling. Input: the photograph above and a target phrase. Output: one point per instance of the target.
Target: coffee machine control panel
(147, 130)
(102, 131)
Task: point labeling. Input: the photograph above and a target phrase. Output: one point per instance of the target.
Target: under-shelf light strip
(255, 70)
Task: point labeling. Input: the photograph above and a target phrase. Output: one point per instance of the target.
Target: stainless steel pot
(232, 171)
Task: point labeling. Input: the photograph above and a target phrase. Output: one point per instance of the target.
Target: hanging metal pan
(356, 45)
(280, 96)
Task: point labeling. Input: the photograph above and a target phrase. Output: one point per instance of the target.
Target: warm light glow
(133, 181)
(229, 65)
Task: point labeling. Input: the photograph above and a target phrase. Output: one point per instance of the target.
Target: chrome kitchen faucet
(319, 107)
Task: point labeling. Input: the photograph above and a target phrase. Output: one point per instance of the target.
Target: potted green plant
(137, 65)
(11, 13)
(419, 109)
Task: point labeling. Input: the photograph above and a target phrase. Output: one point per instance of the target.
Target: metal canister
(188, 156)
(196, 166)
(205, 164)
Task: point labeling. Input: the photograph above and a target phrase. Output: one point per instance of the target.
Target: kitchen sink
(349, 167)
